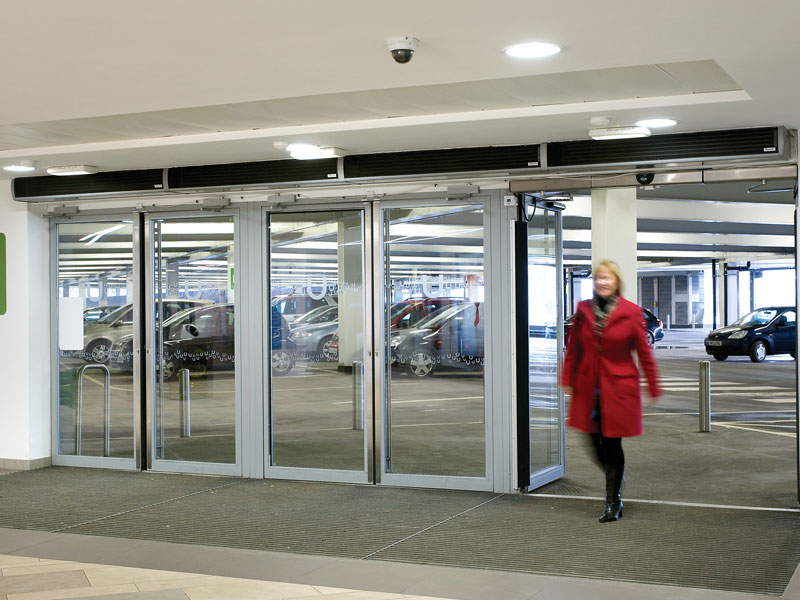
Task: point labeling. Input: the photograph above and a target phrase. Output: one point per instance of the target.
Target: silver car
(312, 339)
(99, 336)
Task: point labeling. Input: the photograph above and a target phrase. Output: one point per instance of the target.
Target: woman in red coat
(602, 379)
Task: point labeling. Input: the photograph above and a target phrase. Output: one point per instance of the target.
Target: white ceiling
(156, 84)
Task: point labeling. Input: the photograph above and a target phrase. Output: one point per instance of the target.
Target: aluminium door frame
(270, 471)
(101, 462)
(485, 483)
(174, 466)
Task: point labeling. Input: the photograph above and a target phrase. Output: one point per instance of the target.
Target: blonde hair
(611, 267)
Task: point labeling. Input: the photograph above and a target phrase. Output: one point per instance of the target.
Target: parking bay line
(729, 426)
(422, 400)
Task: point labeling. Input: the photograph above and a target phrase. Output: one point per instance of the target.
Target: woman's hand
(567, 389)
(651, 399)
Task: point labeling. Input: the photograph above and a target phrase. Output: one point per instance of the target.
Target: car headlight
(737, 335)
(302, 335)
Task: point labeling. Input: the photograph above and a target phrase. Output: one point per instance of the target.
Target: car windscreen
(757, 317)
(113, 316)
(438, 317)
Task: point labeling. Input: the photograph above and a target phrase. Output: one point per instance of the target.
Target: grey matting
(721, 549)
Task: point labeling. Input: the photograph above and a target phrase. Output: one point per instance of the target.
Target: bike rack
(186, 402)
(358, 416)
(106, 410)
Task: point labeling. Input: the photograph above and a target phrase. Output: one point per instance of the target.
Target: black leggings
(608, 449)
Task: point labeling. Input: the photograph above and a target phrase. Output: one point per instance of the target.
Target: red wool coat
(608, 367)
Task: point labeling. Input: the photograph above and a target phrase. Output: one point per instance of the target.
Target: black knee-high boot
(613, 511)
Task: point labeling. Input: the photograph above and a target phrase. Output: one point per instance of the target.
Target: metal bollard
(186, 402)
(358, 418)
(704, 382)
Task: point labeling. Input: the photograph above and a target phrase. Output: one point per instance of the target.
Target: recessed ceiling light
(619, 133)
(656, 123)
(310, 151)
(73, 170)
(533, 50)
(21, 166)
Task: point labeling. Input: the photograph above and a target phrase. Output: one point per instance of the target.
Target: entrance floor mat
(704, 547)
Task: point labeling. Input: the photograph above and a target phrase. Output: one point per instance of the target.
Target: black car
(653, 325)
(770, 330)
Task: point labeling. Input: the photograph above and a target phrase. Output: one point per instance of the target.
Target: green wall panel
(2, 274)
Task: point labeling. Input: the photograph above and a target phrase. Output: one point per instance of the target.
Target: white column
(722, 284)
(25, 331)
(614, 233)
(351, 291)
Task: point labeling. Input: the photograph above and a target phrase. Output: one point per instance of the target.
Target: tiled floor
(37, 565)
(26, 578)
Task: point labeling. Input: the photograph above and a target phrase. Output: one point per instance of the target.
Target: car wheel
(758, 351)
(98, 351)
(650, 339)
(420, 364)
(199, 369)
(282, 362)
(171, 367)
(327, 351)
(720, 356)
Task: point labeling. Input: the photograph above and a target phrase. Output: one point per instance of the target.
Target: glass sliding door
(193, 342)
(539, 334)
(96, 409)
(434, 329)
(317, 361)
(544, 307)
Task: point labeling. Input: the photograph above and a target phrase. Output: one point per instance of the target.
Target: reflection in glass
(543, 293)
(317, 302)
(95, 295)
(195, 318)
(435, 320)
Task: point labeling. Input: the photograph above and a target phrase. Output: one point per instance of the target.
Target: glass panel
(434, 319)
(195, 410)
(317, 302)
(95, 278)
(543, 292)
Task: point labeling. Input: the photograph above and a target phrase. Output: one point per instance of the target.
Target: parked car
(203, 339)
(653, 325)
(292, 306)
(451, 337)
(312, 336)
(407, 313)
(317, 315)
(98, 312)
(770, 330)
(98, 337)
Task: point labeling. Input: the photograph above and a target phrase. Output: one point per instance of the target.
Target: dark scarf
(602, 308)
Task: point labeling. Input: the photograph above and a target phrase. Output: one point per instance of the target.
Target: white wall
(24, 336)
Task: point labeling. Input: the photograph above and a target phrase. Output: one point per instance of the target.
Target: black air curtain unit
(111, 182)
(705, 145)
(252, 173)
(428, 162)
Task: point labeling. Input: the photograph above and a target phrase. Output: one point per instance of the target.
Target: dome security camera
(402, 48)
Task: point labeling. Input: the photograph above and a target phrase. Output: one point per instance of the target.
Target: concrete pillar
(351, 290)
(229, 289)
(614, 233)
(721, 292)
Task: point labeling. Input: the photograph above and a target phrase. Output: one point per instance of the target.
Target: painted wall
(24, 335)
